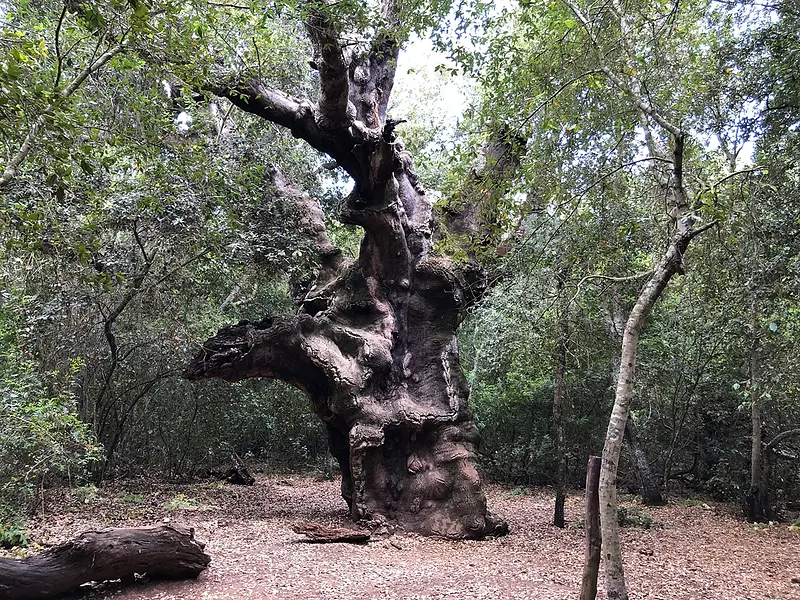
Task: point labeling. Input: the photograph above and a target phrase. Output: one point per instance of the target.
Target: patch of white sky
(422, 93)
(750, 16)
(417, 73)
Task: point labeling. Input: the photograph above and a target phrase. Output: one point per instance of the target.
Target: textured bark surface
(648, 489)
(320, 534)
(161, 552)
(373, 341)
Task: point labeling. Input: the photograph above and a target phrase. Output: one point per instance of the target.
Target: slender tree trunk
(756, 500)
(592, 523)
(560, 406)
(647, 487)
(670, 264)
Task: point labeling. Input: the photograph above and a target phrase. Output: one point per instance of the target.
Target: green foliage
(43, 439)
(12, 535)
(181, 502)
(633, 517)
(133, 499)
(111, 181)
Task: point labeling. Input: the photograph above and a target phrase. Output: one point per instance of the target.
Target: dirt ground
(692, 551)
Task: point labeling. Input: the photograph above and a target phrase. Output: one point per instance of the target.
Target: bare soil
(698, 552)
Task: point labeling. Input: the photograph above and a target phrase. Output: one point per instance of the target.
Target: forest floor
(693, 550)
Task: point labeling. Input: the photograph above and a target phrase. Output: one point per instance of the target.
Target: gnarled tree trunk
(373, 342)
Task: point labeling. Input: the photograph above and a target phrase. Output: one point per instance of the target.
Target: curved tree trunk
(670, 264)
(615, 324)
(373, 342)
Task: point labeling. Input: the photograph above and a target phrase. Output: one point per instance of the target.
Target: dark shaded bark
(592, 524)
(756, 500)
(560, 401)
(238, 473)
(160, 552)
(373, 341)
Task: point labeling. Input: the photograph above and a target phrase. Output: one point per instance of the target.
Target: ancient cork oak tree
(373, 340)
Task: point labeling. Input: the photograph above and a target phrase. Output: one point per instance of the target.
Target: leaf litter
(700, 552)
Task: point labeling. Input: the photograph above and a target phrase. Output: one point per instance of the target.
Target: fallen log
(161, 552)
(320, 534)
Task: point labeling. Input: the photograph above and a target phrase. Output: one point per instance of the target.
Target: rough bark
(592, 524)
(320, 534)
(160, 552)
(373, 341)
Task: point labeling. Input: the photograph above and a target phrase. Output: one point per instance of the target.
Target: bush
(43, 440)
(633, 517)
(12, 534)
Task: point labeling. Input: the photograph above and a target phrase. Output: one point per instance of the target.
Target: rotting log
(160, 552)
(592, 524)
(321, 534)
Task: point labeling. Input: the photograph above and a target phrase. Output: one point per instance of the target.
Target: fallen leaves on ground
(691, 552)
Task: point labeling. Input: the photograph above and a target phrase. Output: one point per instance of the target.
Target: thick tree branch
(255, 97)
(334, 89)
(267, 348)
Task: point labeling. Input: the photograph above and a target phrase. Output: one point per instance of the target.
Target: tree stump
(238, 473)
(161, 552)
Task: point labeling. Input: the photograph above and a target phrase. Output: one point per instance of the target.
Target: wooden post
(593, 541)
